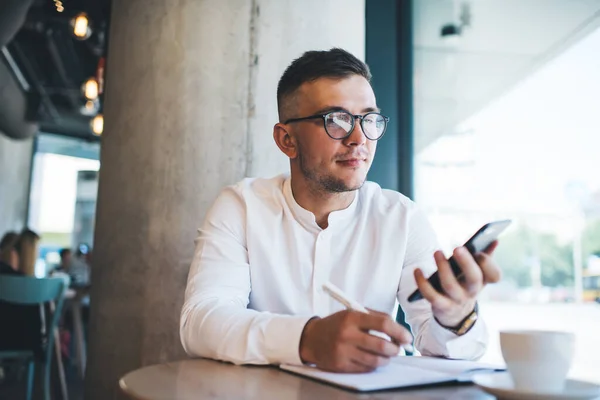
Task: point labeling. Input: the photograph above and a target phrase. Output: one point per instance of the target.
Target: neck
(319, 202)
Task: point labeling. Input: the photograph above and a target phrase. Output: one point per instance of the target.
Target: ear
(285, 140)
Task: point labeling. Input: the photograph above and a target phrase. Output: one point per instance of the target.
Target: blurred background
(494, 114)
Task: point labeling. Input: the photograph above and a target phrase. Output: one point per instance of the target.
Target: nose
(357, 136)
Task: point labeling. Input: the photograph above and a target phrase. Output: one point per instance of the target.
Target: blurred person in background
(9, 258)
(66, 257)
(27, 248)
(20, 325)
(79, 268)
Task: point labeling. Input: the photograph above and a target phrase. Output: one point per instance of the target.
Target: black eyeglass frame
(354, 117)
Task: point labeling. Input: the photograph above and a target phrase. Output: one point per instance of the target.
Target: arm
(215, 322)
(431, 338)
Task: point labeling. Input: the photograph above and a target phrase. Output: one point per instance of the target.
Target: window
(530, 154)
(64, 187)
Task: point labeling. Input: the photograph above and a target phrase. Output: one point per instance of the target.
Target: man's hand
(458, 301)
(341, 342)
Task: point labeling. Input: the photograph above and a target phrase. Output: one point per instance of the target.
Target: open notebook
(402, 372)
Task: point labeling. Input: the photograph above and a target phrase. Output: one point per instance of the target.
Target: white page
(454, 367)
(391, 376)
(401, 372)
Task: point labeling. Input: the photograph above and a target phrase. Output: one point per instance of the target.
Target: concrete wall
(281, 31)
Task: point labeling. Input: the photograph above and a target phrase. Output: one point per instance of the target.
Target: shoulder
(385, 201)
(248, 191)
(261, 186)
(6, 269)
(254, 188)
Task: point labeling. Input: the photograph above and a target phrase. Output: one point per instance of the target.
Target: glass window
(63, 195)
(530, 154)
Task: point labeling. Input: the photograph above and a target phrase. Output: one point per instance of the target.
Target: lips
(351, 162)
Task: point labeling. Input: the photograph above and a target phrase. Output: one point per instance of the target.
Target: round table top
(207, 379)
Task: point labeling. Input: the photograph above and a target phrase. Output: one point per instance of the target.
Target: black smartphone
(477, 243)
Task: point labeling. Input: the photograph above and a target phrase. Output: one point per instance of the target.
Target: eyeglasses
(340, 124)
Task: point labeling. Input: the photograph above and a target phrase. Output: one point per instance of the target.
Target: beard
(324, 182)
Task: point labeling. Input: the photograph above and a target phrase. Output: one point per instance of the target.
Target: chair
(31, 291)
(401, 319)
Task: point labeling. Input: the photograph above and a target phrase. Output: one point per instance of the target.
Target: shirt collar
(337, 219)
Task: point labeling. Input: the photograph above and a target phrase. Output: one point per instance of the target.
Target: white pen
(337, 294)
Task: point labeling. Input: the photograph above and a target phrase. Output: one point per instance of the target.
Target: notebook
(401, 372)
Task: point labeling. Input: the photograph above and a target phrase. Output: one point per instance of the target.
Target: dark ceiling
(54, 64)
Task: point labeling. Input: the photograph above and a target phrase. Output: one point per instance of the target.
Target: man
(79, 267)
(267, 245)
(9, 258)
(20, 325)
(66, 258)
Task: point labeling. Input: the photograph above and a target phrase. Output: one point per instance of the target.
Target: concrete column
(190, 105)
(15, 167)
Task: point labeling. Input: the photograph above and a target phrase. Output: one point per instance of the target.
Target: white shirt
(261, 259)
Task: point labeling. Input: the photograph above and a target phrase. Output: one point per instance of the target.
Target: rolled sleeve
(470, 346)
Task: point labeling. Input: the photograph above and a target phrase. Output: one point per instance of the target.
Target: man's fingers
(369, 360)
(473, 275)
(450, 284)
(378, 346)
(489, 268)
(345, 365)
(384, 324)
(437, 300)
(490, 249)
(357, 367)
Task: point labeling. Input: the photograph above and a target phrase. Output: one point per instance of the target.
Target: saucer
(500, 385)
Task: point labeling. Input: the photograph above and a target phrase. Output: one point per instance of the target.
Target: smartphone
(477, 243)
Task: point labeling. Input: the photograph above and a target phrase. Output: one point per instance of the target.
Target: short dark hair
(312, 65)
(26, 236)
(9, 240)
(64, 252)
(8, 244)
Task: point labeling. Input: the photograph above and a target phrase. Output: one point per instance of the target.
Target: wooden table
(207, 379)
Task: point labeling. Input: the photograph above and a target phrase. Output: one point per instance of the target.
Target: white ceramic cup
(538, 361)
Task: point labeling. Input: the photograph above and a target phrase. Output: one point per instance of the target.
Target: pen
(337, 294)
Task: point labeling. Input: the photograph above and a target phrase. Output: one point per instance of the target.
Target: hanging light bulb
(59, 6)
(90, 89)
(97, 124)
(81, 26)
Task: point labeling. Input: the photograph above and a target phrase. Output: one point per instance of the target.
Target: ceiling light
(90, 89)
(90, 107)
(97, 124)
(59, 6)
(81, 26)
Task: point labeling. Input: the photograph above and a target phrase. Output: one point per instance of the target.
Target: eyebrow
(327, 109)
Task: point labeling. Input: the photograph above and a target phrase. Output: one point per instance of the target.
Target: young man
(9, 257)
(268, 245)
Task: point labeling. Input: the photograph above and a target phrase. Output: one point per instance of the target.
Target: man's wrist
(465, 324)
(305, 350)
